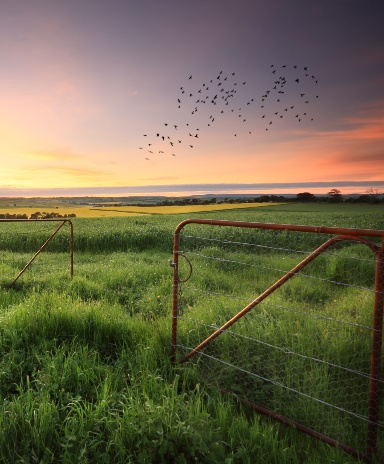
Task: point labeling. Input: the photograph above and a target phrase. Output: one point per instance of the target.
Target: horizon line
(172, 189)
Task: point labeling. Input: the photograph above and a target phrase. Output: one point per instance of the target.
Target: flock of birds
(291, 92)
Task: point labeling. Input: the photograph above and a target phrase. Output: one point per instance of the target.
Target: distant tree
(374, 195)
(305, 196)
(335, 195)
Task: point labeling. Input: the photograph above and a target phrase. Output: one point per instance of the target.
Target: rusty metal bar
(63, 221)
(285, 420)
(290, 227)
(377, 335)
(272, 288)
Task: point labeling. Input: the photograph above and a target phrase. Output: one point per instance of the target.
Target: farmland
(85, 363)
(29, 206)
(87, 211)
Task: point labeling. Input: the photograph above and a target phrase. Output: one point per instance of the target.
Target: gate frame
(340, 234)
(71, 244)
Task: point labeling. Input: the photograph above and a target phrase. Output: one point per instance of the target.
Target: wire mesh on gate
(288, 318)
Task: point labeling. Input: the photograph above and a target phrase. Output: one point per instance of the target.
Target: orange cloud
(367, 124)
(359, 158)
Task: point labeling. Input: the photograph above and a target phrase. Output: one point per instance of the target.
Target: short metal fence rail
(288, 318)
(53, 233)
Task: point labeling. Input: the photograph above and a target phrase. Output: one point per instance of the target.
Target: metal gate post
(377, 335)
(175, 291)
(71, 246)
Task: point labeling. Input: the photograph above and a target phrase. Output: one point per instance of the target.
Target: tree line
(333, 196)
(37, 215)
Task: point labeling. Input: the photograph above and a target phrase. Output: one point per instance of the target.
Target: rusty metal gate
(289, 318)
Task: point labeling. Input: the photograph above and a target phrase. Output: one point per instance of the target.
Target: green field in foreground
(85, 371)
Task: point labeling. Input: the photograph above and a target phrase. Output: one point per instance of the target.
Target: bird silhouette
(229, 89)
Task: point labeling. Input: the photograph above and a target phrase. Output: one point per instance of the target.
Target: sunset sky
(86, 86)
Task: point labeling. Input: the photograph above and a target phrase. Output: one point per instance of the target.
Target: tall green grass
(85, 371)
(98, 235)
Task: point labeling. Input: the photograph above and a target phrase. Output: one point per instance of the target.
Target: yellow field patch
(80, 211)
(139, 210)
(86, 211)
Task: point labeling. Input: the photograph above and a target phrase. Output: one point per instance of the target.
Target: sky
(115, 97)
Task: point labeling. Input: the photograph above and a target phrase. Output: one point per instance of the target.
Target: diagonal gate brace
(274, 287)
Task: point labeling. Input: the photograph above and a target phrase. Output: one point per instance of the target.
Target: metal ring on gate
(190, 269)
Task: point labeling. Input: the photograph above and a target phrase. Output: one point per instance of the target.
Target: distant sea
(171, 190)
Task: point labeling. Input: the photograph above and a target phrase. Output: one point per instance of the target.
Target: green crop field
(85, 369)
